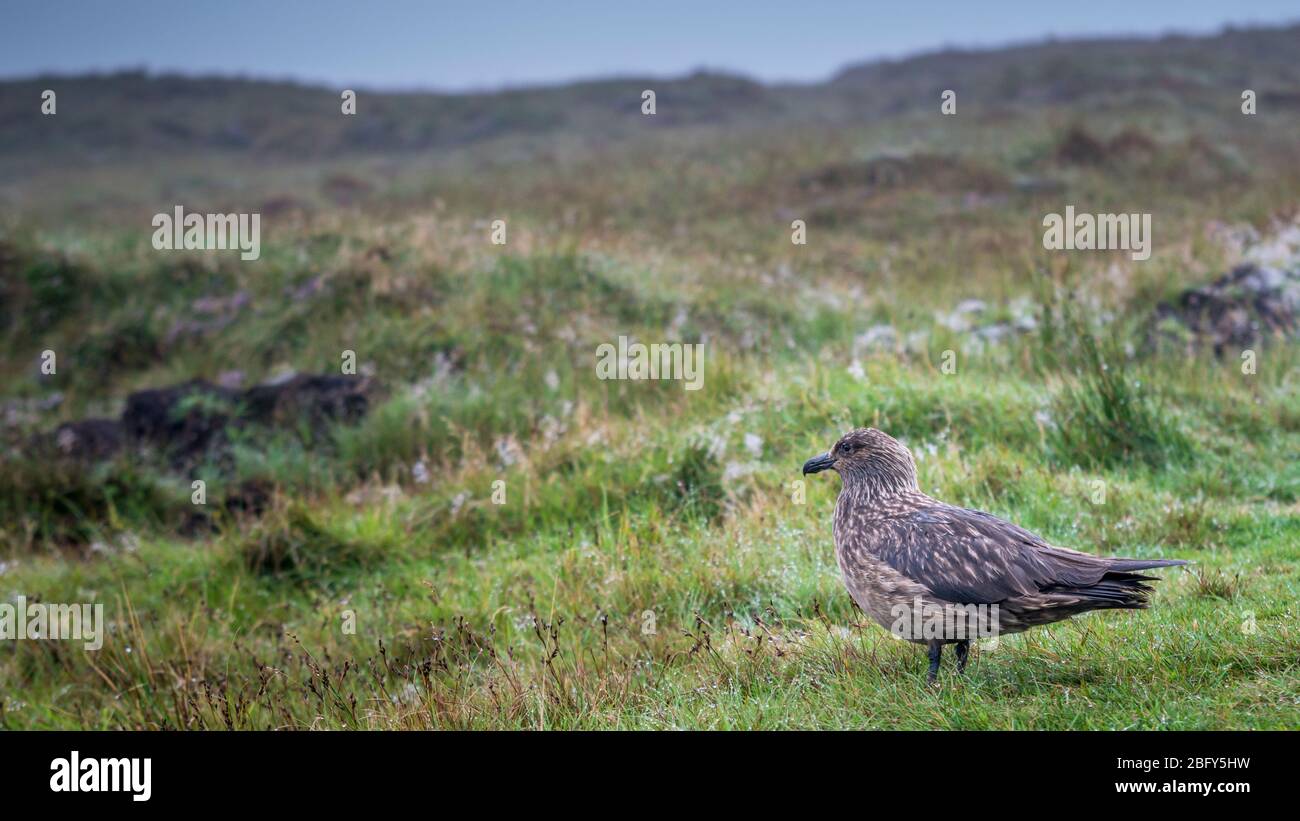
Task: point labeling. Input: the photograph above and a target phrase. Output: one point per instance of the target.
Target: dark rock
(315, 398)
(86, 439)
(184, 420)
(1242, 308)
(191, 421)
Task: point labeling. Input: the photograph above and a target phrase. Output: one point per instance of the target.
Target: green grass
(531, 613)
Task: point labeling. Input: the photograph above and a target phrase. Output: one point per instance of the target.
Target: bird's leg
(936, 649)
(963, 650)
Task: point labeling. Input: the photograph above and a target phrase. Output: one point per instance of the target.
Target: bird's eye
(849, 447)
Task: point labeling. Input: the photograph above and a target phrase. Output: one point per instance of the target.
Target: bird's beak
(818, 463)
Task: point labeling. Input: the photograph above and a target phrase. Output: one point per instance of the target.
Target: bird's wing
(971, 557)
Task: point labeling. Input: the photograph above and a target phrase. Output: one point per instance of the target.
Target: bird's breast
(873, 584)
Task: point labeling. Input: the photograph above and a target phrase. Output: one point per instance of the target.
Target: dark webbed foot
(936, 649)
(963, 651)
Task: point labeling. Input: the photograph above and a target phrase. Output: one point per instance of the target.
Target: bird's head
(868, 455)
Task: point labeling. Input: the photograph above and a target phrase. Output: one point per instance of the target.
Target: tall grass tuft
(1103, 414)
(294, 544)
(697, 483)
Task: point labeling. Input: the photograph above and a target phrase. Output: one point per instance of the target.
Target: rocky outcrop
(316, 398)
(1248, 306)
(192, 420)
(183, 420)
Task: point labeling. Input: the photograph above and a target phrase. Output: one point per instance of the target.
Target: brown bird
(936, 574)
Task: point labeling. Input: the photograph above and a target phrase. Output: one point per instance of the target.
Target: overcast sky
(478, 44)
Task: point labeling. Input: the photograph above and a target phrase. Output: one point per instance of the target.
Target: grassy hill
(647, 559)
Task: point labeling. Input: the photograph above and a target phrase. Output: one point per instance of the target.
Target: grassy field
(652, 557)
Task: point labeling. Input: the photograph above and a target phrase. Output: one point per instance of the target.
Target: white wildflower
(458, 501)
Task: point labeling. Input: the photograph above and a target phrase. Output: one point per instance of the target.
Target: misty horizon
(767, 54)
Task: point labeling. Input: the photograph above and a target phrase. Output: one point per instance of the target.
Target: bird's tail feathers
(1124, 592)
(1144, 564)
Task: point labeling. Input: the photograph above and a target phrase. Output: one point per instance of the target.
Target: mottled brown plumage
(902, 553)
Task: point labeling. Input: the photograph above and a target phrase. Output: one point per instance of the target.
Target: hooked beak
(818, 463)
